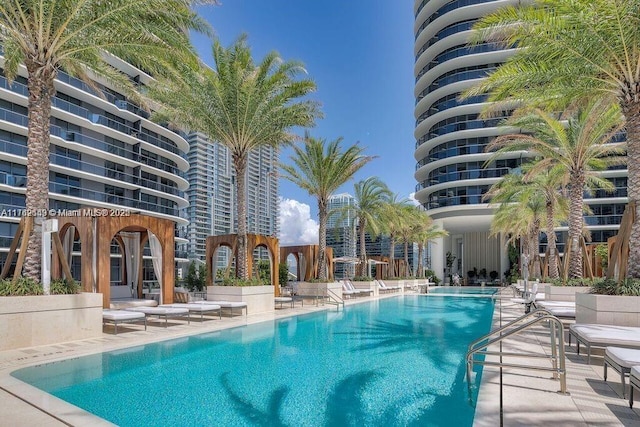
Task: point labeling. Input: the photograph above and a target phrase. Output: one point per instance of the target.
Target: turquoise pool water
(397, 361)
(464, 290)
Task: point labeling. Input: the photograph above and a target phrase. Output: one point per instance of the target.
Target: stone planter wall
(608, 309)
(40, 320)
(563, 293)
(373, 286)
(259, 299)
(315, 290)
(401, 283)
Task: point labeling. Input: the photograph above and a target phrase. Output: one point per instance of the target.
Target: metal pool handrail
(335, 299)
(556, 333)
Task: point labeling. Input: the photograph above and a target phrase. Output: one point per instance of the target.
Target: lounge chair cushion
(608, 335)
(195, 307)
(128, 303)
(625, 357)
(121, 315)
(635, 371)
(161, 310)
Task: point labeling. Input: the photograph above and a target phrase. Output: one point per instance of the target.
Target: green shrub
(283, 273)
(23, 286)
(234, 281)
(62, 287)
(629, 287)
(573, 282)
(362, 279)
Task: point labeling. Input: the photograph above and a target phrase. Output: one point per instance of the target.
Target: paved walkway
(529, 397)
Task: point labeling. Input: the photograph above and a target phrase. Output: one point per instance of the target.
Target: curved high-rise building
(104, 152)
(451, 138)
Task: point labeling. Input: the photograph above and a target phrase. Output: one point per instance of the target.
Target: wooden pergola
(106, 229)
(310, 253)
(254, 241)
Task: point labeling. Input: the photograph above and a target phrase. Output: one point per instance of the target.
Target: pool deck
(529, 398)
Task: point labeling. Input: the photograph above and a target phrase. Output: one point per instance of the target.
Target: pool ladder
(556, 335)
(333, 298)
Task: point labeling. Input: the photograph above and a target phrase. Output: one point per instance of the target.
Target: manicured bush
(629, 287)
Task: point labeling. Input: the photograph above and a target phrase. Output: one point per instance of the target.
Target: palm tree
(321, 168)
(411, 219)
(243, 106)
(370, 196)
(572, 50)
(393, 217)
(82, 37)
(581, 149)
(425, 232)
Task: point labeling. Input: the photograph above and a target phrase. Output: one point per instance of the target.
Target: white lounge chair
(564, 309)
(165, 312)
(197, 308)
(228, 304)
(348, 291)
(634, 382)
(352, 288)
(122, 316)
(383, 287)
(595, 335)
(621, 360)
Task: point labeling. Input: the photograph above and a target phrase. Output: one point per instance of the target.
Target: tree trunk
(240, 164)
(576, 220)
(406, 259)
(535, 244)
(41, 89)
(631, 111)
(362, 267)
(392, 253)
(419, 272)
(551, 243)
(322, 239)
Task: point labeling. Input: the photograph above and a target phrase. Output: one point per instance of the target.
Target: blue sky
(360, 54)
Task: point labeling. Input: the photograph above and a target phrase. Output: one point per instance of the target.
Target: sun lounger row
(382, 287)
(348, 290)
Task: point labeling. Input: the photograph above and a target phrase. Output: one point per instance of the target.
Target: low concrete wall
(40, 320)
(399, 283)
(259, 299)
(319, 289)
(563, 293)
(371, 286)
(608, 309)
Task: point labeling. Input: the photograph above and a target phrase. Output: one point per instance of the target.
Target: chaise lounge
(227, 304)
(163, 311)
(122, 316)
(595, 335)
(197, 308)
(621, 360)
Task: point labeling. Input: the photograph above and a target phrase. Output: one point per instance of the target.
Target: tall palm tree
(244, 106)
(572, 50)
(80, 37)
(393, 217)
(581, 148)
(410, 223)
(321, 168)
(425, 232)
(370, 196)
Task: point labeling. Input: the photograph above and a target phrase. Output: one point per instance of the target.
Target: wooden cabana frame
(106, 230)
(311, 254)
(619, 245)
(254, 241)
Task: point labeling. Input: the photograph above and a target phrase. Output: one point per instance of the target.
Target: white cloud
(412, 199)
(296, 225)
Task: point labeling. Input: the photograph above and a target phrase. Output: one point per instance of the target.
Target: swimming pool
(396, 361)
(463, 290)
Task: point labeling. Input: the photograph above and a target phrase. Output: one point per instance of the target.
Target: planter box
(400, 283)
(563, 293)
(259, 299)
(608, 309)
(318, 290)
(371, 286)
(40, 320)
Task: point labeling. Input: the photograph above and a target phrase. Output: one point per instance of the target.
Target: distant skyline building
(212, 199)
(451, 138)
(341, 232)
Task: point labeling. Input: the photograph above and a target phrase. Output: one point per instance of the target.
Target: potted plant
(610, 303)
